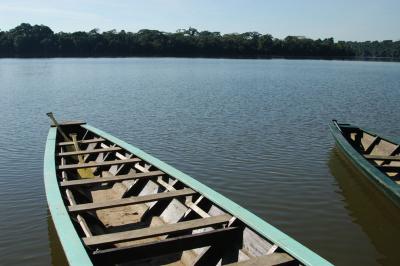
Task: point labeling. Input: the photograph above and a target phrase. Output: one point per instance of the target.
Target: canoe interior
(380, 152)
(129, 212)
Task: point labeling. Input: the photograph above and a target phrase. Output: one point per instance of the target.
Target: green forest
(28, 40)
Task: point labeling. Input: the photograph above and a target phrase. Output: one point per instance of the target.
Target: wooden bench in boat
(389, 168)
(89, 151)
(157, 230)
(87, 141)
(97, 164)
(132, 200)
(118, 178)
(69, 123)
(170, 245)
(382, 157)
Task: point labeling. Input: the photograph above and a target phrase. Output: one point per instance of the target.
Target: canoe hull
(77, 247)
(376, 177)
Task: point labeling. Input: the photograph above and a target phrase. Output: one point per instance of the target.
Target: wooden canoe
(377, 157)
(141, 211)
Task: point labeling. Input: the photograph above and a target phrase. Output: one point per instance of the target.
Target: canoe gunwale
(380, 180)
(73, 247)
(291, 246)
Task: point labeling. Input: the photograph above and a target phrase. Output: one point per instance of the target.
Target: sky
(351, 20)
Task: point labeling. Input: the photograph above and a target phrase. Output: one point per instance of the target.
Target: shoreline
(333, 58)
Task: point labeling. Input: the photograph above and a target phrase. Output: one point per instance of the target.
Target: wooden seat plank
(169, 245)
(131, 201)
(89, 151)
(382, 157)
(267, 260)
(388, 168)
(157, 230)
(97, 164)
(81, 141)
(118, 178)
(69, 123)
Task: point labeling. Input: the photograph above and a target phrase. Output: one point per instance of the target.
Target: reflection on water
(378, 217)
(56, 251)
(254, 130)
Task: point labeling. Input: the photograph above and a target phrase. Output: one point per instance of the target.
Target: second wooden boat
(377, 157)
(129, 207)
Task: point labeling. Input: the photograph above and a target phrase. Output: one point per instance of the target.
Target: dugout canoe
(378, 158)
(134, 209)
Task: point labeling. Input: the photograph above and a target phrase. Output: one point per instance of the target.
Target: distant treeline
(26, 40)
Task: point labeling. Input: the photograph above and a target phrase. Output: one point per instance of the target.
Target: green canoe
(129, 207)
(377, 157)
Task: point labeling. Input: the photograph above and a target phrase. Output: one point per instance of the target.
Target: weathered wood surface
(81, 141)
(267, 260)
(169, 245)
(72, 153)
(371, 146)
(69, 123)
(157, 230)
(118, 178)
(132, 200)
(97, 164)
(382, 157)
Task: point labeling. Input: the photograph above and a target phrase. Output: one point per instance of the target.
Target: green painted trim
(379, 179)
(294, 248)
(73, 248)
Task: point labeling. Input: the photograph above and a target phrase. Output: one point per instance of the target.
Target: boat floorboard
(272, 259)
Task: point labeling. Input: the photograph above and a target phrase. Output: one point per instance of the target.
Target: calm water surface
(254, 130)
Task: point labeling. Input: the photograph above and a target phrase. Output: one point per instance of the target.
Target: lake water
(254, 130)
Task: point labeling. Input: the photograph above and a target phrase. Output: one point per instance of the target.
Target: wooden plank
(69, 123)
(89, 151)
(132, 200)
(81, 141)
(389, 168)
(188, 203)
(156, 230)
(375, 142)
(97, 164)
(272, 259)
(382, 157)
(118, 178)
(168, 245)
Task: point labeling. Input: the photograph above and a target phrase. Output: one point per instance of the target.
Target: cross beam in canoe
(382, 157)
(132, 200)
(81, 141)
(97, 164)
(169, 245)
(118, 178)
(157, 230)
(389, 168)
(72, 153)
(69, 123)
